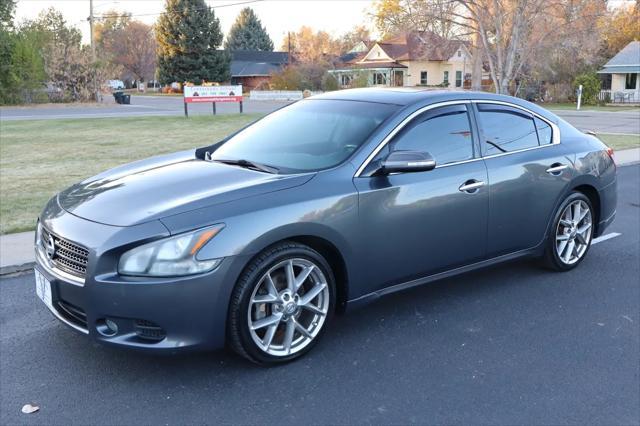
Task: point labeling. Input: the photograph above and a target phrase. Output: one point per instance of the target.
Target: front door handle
(556, 169)
(471, 186)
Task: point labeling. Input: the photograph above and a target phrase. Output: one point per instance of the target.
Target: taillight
(610, 151)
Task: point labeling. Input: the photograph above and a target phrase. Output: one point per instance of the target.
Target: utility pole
(93, 51)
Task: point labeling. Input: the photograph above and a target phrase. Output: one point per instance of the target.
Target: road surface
(511, 344)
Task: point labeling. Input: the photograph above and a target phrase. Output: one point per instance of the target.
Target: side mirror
(407, 162)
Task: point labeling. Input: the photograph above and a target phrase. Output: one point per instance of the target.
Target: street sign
(194, 94)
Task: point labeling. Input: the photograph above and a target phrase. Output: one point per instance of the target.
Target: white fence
(278, 95)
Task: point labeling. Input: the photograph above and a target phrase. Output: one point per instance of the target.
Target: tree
(67, 63)
(394, 16)
(308, 46)
(247, 33)
(188, 34)
(620, 28)
(133, 47)
(7, 41)
(350, 39)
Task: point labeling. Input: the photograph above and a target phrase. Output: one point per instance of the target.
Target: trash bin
(118, 97)
(126, 99)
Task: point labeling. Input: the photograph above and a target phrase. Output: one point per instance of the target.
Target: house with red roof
(416, 58)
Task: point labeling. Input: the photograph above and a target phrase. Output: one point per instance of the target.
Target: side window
(506, 129)
(545, 133)
(445, 133)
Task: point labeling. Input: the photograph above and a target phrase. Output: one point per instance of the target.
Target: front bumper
(152, 314)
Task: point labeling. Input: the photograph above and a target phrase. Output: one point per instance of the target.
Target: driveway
(511, 344)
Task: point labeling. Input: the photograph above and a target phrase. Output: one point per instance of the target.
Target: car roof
(405, 96)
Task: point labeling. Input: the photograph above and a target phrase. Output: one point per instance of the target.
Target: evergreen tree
(188, 34)
(247, 33)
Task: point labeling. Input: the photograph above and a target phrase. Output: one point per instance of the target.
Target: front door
(398, 78)
(528, 173)
(418, 224)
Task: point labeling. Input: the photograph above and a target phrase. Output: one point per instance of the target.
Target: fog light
(112, 326)
(107, 327)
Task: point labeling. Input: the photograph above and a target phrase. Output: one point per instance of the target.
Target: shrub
(590, 87)
(329, 83)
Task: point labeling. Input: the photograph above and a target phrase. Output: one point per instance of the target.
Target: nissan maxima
(255, 241)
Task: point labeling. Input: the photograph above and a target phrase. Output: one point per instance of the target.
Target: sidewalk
(17, 255)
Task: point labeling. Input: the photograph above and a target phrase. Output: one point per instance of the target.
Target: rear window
(506, 129)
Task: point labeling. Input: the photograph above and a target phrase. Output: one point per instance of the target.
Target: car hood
(163, 186)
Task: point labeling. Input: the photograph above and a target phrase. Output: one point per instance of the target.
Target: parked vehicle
(323, 205)
(115, 84)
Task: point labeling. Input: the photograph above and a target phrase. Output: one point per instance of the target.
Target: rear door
(528, 171)
(417, 224)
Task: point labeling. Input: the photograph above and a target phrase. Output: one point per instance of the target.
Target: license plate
(43, 289)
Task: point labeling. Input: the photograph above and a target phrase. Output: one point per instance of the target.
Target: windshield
(305, 136)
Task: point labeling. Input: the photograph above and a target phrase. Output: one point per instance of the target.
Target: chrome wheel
(288, 307)
(574, 232)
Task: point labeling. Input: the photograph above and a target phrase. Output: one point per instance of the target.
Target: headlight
(170, 257)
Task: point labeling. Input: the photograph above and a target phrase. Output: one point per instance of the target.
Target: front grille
(149, 330)
(73, 313)
(67, 256)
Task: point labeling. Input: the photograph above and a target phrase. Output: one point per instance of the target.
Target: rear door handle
(556, 168)
(471, 186)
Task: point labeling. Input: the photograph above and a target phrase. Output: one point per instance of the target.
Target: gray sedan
(326, 204)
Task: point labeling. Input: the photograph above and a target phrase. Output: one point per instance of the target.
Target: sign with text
(193, 94)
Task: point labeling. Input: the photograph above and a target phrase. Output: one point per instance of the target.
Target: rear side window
(506, 129)
(445, 133)
(545, 134)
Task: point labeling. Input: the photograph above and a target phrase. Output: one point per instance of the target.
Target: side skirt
(370, 297)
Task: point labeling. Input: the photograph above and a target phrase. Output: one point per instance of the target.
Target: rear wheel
(571, 234)
(281, 304)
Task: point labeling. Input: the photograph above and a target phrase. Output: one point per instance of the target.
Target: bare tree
(132, 46)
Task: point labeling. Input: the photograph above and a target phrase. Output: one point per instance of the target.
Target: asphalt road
(511, 344)
(141, 106)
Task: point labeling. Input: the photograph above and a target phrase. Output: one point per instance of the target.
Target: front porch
(624, 96)
(381, 75)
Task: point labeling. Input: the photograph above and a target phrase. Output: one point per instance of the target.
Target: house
(621, 82)
(253, 69)
(417, 58)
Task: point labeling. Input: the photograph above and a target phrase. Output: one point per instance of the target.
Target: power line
(112, 16)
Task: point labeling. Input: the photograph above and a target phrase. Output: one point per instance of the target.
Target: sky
(278, 16)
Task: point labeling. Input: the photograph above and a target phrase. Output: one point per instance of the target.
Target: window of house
(458, 78)
(345, 79)
(506, 129)
(445, 80)
(631, 81)
(423, 78)
(545, 133)
(459, 53)
(379, 78)
(445, 133)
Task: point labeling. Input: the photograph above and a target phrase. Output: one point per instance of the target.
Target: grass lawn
(572, 107)
(38, 158)
(619, 142)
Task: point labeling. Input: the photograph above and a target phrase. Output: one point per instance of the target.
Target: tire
(567, 245)
(275, 315)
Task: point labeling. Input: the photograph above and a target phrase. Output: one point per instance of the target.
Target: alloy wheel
(288, 307)
(573, 233)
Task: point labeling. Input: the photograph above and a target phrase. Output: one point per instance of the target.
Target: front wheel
(571, 234)
(281, 304)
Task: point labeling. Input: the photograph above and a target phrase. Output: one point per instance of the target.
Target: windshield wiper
(249, 165)
(495, 145)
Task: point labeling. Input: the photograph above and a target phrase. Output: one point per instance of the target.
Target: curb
(16, 269)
